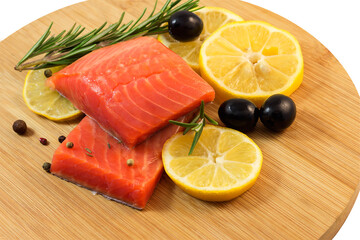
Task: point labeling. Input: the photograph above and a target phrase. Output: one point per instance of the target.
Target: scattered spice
(69, 144)
(61, 138)
(43, 141)
(19, 126)
(46, 166)
(88, 150)
(130, 162)
(89, 154)
(48, 73)
(109, 145)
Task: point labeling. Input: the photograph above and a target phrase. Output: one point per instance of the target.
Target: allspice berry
(69, 145)
(19, 126)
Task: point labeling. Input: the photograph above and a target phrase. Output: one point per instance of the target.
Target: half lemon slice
(45, 101)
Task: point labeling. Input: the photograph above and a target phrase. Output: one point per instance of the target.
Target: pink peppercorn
(43, 141)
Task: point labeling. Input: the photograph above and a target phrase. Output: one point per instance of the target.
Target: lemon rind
(69, 116)
(211, 193)
(259, 95)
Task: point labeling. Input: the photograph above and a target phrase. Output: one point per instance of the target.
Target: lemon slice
(224, 164)
(213, 18)
(252, 60)
(44, 101)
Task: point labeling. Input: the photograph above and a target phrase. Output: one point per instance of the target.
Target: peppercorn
(46, 166)
(69, 144)
(48, 73)
(130, 162)
(61, 138)
(43, 141)
(19, 126)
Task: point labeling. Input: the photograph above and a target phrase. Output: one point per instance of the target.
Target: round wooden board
(306, 189)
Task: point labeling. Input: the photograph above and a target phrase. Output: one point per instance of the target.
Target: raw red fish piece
(133, 88)
(99, 162)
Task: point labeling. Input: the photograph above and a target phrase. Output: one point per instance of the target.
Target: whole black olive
(239, 114)
(185, 26)
(278, 112)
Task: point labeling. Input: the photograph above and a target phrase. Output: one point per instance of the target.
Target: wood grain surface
(306, 189)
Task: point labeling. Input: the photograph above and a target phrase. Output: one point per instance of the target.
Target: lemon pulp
(224, 164)
(45, 101)
(252, 60)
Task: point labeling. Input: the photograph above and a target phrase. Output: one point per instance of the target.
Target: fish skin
(106, 170)
(132, 88)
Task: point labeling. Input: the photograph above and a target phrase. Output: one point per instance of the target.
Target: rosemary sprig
(68, 46)
(196, 125)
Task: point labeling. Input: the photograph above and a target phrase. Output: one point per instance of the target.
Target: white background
(334, 23)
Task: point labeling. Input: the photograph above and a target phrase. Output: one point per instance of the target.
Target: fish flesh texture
(101, 163)
(132, 88)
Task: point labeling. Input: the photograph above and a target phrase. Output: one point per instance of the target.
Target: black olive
(185, 26)
(278, 112)
(19, 126)
(239, 114)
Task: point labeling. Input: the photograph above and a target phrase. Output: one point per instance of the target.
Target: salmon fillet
(98, 162)
(132, 88)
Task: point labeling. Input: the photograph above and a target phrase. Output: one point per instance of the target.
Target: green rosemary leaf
(72, 37)
(202, 109)
(174, 3)
(195, 140)
(100, 35)
(166, 5)
(85, 39)
(57, 63)
(134, 35)
(68, 46)
(199, 125)
(141, 16)
(37, 44)
(70, 31)
(51, 40)
(212, 121)
(78, 51)
(193, 121)
(88, 150)
(181, 124)
(89, 154)
(154, 8)
(118, 23)
(123, 29)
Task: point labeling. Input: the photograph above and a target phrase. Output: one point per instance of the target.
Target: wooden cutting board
(306, 189)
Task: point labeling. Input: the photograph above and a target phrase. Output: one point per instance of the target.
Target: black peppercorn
(69, 144)
(46, 166)
(19, 126)
(48, 73)
(61, 138)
